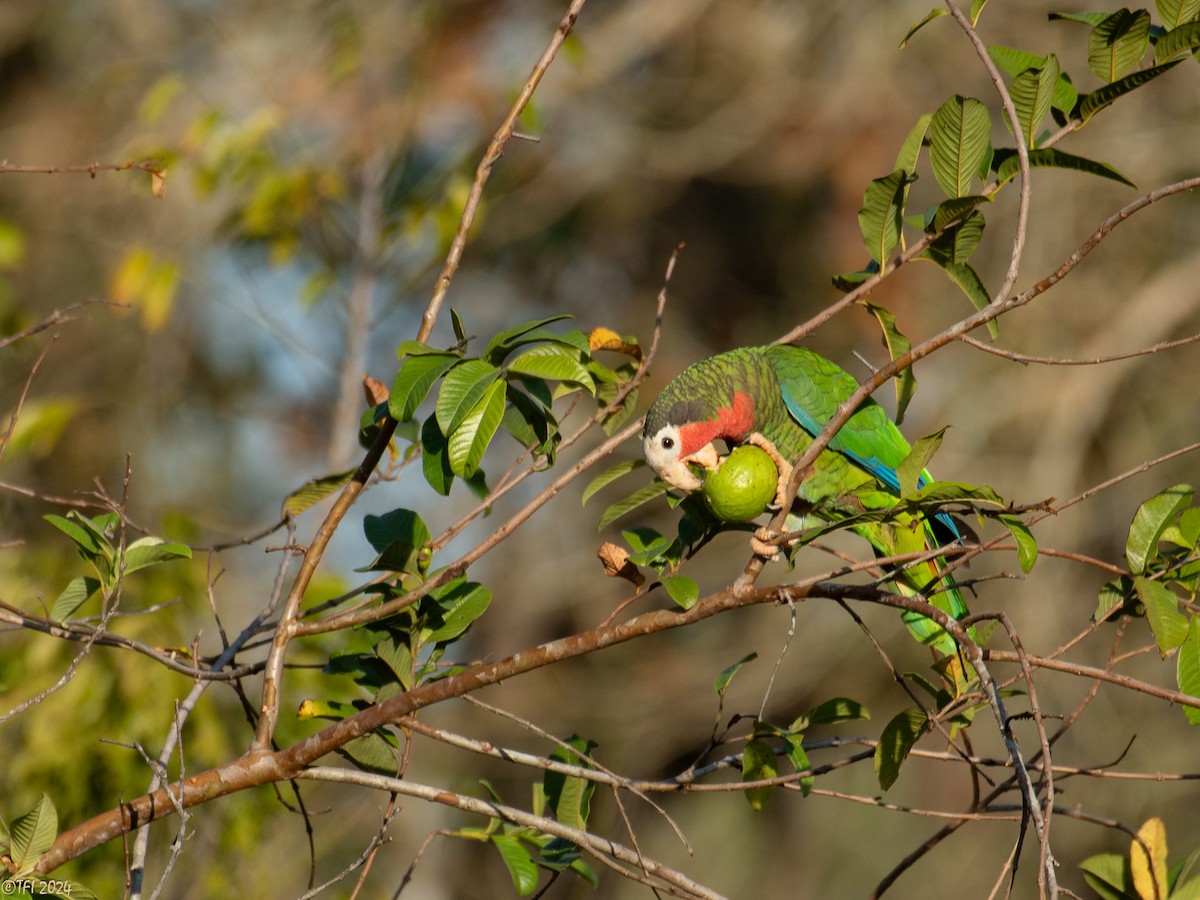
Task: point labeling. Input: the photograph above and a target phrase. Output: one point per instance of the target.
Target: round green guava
(742, 486)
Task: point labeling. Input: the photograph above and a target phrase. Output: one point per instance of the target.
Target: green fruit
(740, 489)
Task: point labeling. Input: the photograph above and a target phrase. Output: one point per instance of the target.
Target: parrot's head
(680, 433)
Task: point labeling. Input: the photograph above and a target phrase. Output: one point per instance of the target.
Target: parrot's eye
(667, 443)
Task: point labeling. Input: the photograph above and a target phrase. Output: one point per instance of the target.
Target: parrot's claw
(763, 544)
(784, 467)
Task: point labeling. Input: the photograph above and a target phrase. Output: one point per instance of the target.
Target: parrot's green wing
(813, 388)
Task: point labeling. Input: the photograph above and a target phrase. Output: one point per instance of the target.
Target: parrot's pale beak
(680, 473)
(707, 457)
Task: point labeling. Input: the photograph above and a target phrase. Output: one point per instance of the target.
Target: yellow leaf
(158, 183)
(1150, 870)
(603, 338)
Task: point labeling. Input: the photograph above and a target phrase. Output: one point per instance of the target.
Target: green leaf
(1084, 18)
(1187, 668)
(1007, 164)
(683, 590)
(936, 13)
(553, 361)
(150, 551)
(456, 322)
(758, 763)
(956, 214)
(74, 595)
(459, 603)
(913, 466)
(897, 345)
(1108, 874)
(882, 215)
(1174, 13)
(1013, 62)
(399, 537)
(850, 281)
(435, 461)
(1170, 626)
(470, 439)
(314, 491)
(721, 683)
(911, 148)
(835, 710)
(87, 540)
(372, 753)
(800, 761)
(949, 491)
(503, 343)
(1149, 523)
(32, 835)
(530, 423)
(461, 392)
(972, 286)
(608, 476)
(638, 498)
(414, 380)
(570, 796)
(1183, 39)
(1090, 104)
(894, 745)
(1032, 93)
(1118, 43)
(1027, 549)
(959, 139)
(521, 867)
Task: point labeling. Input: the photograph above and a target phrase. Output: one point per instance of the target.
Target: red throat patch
(732, 423)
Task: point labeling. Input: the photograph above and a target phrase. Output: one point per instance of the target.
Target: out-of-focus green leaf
(1027, 548)
(936, 13)
(1169, 624)
(460, 603)
(73, 596)
(913, 466)
(608, 476)
(894, 745)
(31, 835)
(721, 683)
(1109, 876)
(1187, 668)
(1149, 523)
(897, 345)
(314, 491)
(683, 590)
(758, 764)
(638, 498)
(519, 862)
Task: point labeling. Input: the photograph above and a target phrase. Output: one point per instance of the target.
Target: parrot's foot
(763, 544)
(784, 467)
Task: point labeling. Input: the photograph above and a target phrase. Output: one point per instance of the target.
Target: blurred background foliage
(318, 154)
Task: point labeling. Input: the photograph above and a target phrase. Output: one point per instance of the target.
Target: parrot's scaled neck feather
(733, 423)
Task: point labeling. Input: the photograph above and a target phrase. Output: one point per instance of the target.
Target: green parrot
(779, 398)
